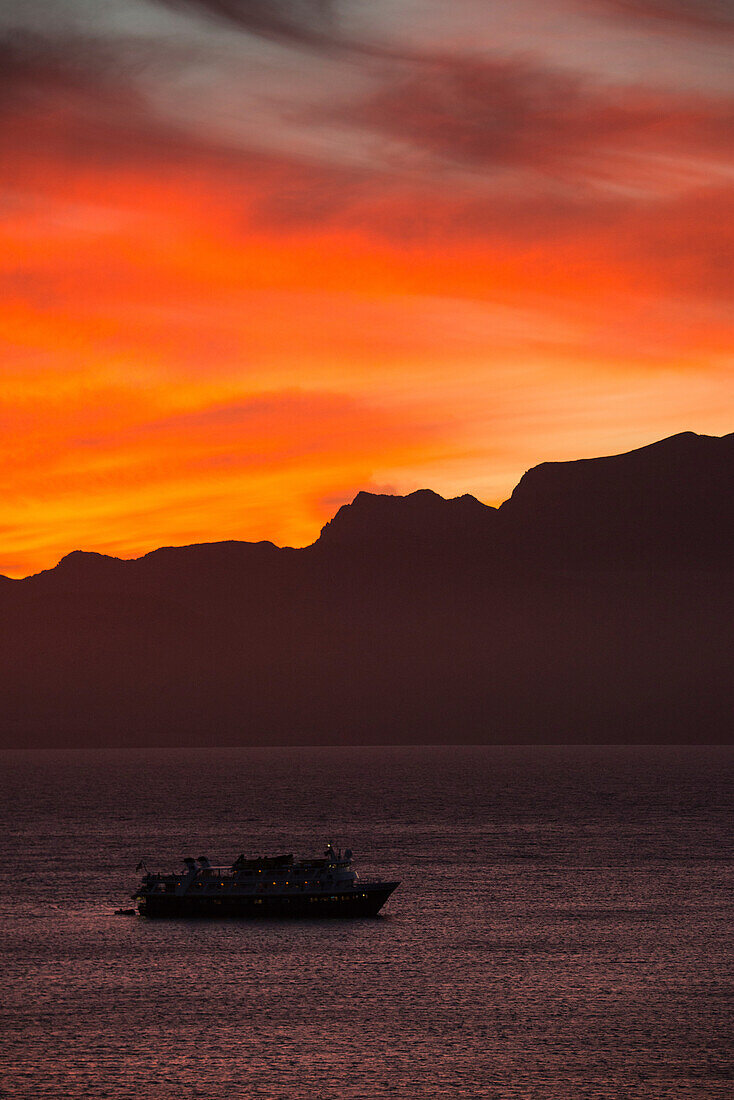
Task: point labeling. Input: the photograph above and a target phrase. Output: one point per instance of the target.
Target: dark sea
(563, 926)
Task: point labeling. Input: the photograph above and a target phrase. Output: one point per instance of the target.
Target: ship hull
(364, 902)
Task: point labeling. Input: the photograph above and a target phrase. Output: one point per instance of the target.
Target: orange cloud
(208, 341)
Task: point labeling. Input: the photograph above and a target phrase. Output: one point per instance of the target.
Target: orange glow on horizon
(182, 365)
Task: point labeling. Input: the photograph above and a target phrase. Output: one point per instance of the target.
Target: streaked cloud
(467, 260)
(713, 16)
(300, 22)
(487, 113)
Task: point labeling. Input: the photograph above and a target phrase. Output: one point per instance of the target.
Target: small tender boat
(268, 886)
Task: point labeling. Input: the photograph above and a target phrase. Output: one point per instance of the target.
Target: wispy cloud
(305, 22)
(713, 16)
(485, 113)
(311, 24)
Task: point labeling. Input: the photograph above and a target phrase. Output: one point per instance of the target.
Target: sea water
(563, 926)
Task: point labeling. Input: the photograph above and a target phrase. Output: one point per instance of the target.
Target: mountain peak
(85, 563)
(422, 517)
(667, 502)
(702, 456)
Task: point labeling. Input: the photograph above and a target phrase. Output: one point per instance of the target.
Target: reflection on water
(563, 928)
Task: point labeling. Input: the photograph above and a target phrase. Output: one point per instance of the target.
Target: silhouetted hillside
(595, 605)
(419, 520)
(671, 503)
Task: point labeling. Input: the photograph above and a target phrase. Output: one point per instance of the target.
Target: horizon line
(359, 492)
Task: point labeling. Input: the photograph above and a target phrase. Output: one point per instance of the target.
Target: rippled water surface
(563, 928)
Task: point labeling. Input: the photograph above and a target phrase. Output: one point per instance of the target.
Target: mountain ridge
(400, 513)
(589, 607)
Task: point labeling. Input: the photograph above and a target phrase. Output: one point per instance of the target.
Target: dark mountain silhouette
(596, 604)
(420, 519)
(669, 504)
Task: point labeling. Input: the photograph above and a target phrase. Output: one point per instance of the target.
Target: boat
(268, 886)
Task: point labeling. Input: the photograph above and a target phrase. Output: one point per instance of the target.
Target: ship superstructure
(268, 886)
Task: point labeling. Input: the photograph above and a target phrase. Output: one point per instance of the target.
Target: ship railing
(316, 865)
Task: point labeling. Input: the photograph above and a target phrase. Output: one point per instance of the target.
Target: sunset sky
(259, 255)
